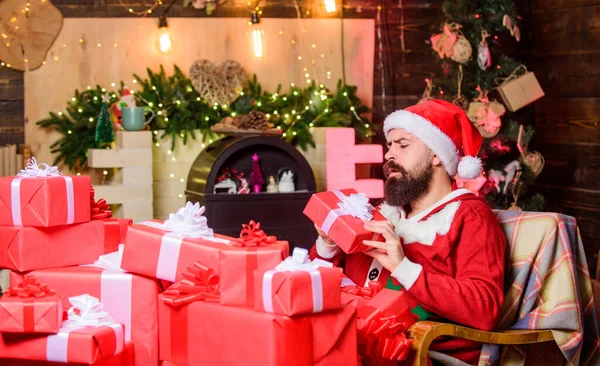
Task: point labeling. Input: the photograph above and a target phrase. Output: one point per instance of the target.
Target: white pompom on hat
(446, 130)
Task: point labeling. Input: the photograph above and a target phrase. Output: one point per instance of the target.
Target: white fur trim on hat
(469, 167)
(436, 140)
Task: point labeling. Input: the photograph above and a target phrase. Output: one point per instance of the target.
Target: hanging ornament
(443, 43)
(514, 30)
(511, 170)
(532, 159)
(218, 84)
(427, 93)
(462, 50)
(484, 56)
(517, 187)
(485, 114)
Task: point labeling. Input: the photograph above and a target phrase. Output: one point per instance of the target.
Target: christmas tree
(256, 177)
(104, 129)
(474, 77)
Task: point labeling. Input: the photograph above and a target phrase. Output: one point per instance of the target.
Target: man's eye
(403, 146)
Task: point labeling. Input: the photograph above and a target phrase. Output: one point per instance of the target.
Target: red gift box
(252, 254)
(346, 230)
(28, 248)
(129, 299)
(125, 358)
(202, 333)
(29, 307)
(153, 250)
(298, 287)
(383, 316)
(44, 201)
(84, 345)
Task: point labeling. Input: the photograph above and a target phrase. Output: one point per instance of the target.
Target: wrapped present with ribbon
(383, 316)
(163, 250)
(199, 283)
(88, 335)
(299, 286)
(130, 300)
(252, 254)
(30, 307)
(40, 196)
(519, 89)
(31, 248)
(342, 215)
(201, 332)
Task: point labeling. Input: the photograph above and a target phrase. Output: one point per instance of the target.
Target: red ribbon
(381, 336)
(99, 209)
(199, 284)
(252, 236)
(366, 292)
(29, 287)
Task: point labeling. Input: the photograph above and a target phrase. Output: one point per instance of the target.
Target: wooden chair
(542, 349)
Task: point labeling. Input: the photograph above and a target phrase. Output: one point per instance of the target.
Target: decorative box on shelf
(280, 214)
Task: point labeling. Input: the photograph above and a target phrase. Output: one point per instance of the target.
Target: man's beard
(401, 190)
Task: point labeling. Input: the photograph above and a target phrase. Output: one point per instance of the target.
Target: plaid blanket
(547, 286)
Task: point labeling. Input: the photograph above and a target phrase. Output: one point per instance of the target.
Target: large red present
(88, 335)
(125, 358)
(41, 196)
(30, 307)
(202, 333)
(29, 248)
(342, 215)
(129, 299)
(253, 253)
(383, 316)
(299, 286)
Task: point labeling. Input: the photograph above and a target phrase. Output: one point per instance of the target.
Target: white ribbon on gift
(188, 222)
(35, 170)
(111, 260)
(357, 205)
(299, 261)
(86, 311)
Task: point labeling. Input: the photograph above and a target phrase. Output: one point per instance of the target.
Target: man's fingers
(377, 244)
(375, 253)
(384, 228)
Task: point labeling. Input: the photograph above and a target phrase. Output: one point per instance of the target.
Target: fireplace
(279, 214)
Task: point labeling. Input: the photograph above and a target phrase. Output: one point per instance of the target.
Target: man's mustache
(391, 166)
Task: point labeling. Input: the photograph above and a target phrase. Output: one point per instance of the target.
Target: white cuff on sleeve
(407, 273)
(325, 250)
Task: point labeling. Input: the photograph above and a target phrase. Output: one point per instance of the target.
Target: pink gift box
(298, 292)
(44, 201)
(30, 315)
(347, 231)
(129, 299)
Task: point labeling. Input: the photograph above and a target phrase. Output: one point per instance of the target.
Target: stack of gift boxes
(176, 293)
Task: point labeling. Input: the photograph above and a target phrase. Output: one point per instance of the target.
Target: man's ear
(436, 160)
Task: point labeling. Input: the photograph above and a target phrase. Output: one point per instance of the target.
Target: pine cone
(255, 121)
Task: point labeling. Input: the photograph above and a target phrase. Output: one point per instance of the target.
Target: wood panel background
(561, 40)
(565, 56)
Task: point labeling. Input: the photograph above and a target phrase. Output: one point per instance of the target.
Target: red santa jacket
(453, 266)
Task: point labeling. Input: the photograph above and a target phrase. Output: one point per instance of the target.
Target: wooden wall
(565, 57)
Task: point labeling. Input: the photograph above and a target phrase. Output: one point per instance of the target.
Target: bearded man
(443, 246)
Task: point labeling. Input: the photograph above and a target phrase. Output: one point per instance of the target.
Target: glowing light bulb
(165, 37)
(330, 6)
(256, 35)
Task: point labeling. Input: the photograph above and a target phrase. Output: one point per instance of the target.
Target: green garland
(180, 110)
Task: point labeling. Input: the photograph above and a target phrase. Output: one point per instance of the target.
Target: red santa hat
(126, 91)
(446, 130)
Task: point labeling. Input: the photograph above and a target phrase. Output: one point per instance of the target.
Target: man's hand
(388, 253)
(324, 236)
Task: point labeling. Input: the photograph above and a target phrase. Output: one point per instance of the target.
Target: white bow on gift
(86, 310)
(33, 169)
(300, 261)
(189, 221)
(111, 260)
(357, 205)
